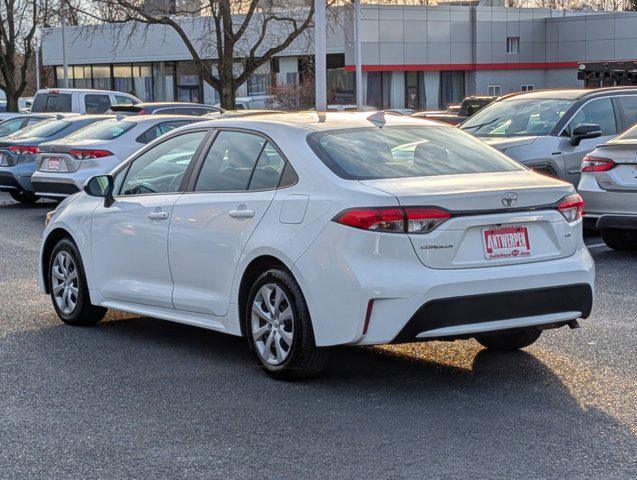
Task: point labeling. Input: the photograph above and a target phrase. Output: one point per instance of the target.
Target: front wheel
(23, 197)
(620, 239)
(69, 290)
(279, 329)
(509, 340)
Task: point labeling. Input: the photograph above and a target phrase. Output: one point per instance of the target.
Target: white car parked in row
(301, 232)
(63, 166)
(77, 100)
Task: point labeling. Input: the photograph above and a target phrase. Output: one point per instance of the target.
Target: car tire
(68, 287)
(620, 239)
(509, 341)
(279, 330)
(23, 197)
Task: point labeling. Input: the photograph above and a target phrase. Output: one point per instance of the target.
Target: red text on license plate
(506, 242)
(53, 163)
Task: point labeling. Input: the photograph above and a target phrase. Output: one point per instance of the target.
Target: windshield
(42, 130)
(405, 151)
(104, 130)
(517, 116)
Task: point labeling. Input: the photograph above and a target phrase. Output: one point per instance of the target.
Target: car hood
(502, 143)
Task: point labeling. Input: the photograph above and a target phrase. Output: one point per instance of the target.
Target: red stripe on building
(464, 66)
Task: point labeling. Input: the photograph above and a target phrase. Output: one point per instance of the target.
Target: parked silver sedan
(608, 185)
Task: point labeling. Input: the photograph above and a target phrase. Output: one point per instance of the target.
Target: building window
(513, 45)
(494, 90)
(528, 88)
(414, 90)
(257, 84)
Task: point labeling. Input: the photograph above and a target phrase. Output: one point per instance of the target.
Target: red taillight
(571, 207)
(23, 149)
(142, 111)
(394, 219)
(596, 164)
(82, 154)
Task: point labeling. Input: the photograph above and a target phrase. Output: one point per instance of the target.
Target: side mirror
(101, 186)
(583, 131)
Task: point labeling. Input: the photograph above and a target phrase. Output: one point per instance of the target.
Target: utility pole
(37, 43)
(357, 54)
(320, 56)
(65, 61)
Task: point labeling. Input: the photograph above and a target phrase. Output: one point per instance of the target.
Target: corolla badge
(509, 199)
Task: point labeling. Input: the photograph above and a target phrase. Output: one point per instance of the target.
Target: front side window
(230, 162)
(597, 112)
(405, 151)
(161, 169)
(97, 103)
(122, 100)
(517, 116)
(103, 130)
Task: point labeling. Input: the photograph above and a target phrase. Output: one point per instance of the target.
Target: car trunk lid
(497, 218)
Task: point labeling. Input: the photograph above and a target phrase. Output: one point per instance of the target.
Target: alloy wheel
(64, 282)
(272, 323)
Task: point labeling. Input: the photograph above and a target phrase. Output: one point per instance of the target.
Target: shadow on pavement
(162, 397)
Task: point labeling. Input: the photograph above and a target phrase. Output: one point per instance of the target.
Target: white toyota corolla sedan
(301, 231)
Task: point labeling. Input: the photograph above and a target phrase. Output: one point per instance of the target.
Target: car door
(212, 222)
(598, 111)
(130, 237)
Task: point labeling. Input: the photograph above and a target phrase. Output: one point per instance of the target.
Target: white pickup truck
(77, 100)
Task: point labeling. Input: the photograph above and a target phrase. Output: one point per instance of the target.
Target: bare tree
(239, 35)
(18, 24)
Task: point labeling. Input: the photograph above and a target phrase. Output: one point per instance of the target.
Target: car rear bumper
(17, 177)
(622, 222)
(52, 185)
(472, 314)
(372, 289)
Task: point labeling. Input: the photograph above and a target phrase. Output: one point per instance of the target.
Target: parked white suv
(79, 101)
(300, 233)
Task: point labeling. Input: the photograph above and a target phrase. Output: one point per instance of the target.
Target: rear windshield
(43, 130)
(51, 102)
(104, 130)
(405, 151)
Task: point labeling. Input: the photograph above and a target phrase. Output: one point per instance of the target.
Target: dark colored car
(18, 152)
(164, 108)
(469, 107)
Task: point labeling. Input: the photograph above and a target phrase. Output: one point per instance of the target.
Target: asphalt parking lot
(140, 398)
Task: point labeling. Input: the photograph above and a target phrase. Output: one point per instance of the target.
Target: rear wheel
(69, 290)
(23, 197)
(279, 329)
(509, 341)
(620, 239)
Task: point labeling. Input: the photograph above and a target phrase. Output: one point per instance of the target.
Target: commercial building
(412, 56)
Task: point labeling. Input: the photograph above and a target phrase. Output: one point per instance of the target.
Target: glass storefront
(415, 97)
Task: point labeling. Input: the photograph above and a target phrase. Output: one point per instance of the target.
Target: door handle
(242, 213)
(158, 215)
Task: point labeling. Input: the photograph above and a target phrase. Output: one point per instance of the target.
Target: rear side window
(97, 103)
(10, 126)
(103, 130)
(52, 102)
(268, 169)
(627, 106)
(122, 100)
(405, 151)
(230, 162)
(157, 131)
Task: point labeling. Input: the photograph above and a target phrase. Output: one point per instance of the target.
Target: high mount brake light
(394, 219)
(87, 154)
(596, 164)
(571, 207)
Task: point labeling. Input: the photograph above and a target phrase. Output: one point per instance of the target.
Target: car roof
(569, 93)
(81, 90)
(172, 104)
(313, 121)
